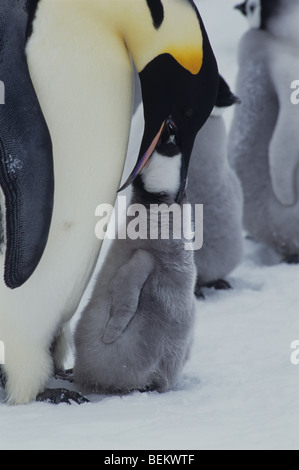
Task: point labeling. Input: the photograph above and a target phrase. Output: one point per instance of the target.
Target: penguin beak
(26, 167)
(144, 161)
(242, 8)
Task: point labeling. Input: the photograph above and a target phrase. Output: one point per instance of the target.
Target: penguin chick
(213, 183)
(278, 17)
(258, 12)
(136, 331)
(264, 140)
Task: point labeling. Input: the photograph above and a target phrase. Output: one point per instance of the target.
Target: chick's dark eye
(252, 8)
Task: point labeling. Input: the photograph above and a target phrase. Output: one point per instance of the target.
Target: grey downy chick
(264, 138)
(136, 331)
(213, 183)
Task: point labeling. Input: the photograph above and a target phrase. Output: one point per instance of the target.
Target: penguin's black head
(258, 12)
(176, 102)
(159, 179)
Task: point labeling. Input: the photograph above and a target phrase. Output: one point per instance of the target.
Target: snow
(238, 391)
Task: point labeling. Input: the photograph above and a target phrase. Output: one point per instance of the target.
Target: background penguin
(75, 106)
(259, 12)
(136, 331)
(264, 139)
(213, 183)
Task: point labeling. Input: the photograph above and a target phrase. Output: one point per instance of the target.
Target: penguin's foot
(199, 293)
(146, 389)
(220, 284)
(291, 259)
(2, 378)
(67, 375)
(61, 395)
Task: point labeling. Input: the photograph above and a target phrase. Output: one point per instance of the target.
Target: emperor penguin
(264, 139)
(64, 128)
(213, 183)
(136, 331)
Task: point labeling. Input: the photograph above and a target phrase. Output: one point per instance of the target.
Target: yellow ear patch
(179, 35)
(190, 58)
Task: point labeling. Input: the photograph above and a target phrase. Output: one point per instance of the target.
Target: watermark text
(295, 354)
(163, 222)
(142, 459)
(295, 94)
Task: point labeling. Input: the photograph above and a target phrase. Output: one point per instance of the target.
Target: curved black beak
(241, 7)
(26, 162)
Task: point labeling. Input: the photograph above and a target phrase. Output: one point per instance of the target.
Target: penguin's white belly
(83, 78)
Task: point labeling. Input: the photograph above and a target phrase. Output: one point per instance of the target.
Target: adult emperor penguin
(136, 331)
(213, 183)
(75, 104)
(264, 139)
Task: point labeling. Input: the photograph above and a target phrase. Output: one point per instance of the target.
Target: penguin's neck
(133, 22)
(284, 26)
(147, 199)
(166, 224)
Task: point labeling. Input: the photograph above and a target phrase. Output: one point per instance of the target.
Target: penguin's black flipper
(26, 161)
(57, 396)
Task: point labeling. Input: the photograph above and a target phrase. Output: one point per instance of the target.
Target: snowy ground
(238, 391)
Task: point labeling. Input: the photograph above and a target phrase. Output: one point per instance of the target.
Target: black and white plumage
(213, 183)
(136, 331)
(264, 143)
(69, 91)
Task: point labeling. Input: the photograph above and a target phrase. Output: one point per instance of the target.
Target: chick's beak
(241, 7)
